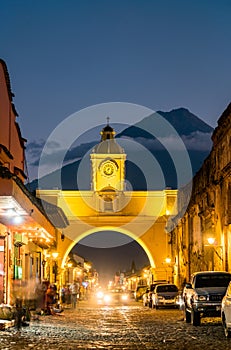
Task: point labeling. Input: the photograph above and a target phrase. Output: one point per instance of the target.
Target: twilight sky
(64, 56)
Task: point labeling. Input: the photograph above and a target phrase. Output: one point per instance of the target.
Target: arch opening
(121, 245)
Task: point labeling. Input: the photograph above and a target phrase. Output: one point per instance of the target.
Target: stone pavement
(118, 327)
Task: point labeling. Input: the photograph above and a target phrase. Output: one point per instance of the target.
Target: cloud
(197, 141)
(54, 154)
(77, 152)
(34, 147)
(34, 150)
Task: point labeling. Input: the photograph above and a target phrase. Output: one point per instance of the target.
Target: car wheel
(157, 307)
(226, 329)
(195, 318)
(187, 316)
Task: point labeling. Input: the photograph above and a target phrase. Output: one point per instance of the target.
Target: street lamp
(212, 244)
(43, 265)
(168, 260)
(169, 269)
(211, 240)
(55, 255)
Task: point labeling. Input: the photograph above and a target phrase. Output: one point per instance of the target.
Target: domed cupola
(108, 144)
(107, 162)
(107, 132)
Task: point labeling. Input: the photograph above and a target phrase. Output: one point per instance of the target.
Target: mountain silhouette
(193, 131)
(182, 120)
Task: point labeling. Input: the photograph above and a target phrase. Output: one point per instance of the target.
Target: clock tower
(108, 164)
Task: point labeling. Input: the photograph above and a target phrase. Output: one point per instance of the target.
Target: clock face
(108, 169)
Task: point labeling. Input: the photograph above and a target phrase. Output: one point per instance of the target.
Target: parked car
(165, 295)
(147, 296)
(203, 296)
(140, 290)
(226, 312)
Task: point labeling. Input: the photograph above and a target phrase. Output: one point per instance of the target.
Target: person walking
(68, 296)
(63, 295)
(74, 289)
(50, 299)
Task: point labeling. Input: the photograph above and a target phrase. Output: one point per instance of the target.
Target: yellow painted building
(27, 229)
(142, 215)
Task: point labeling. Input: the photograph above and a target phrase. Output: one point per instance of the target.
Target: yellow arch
(109, 228)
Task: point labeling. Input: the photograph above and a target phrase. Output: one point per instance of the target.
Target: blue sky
(63, 56)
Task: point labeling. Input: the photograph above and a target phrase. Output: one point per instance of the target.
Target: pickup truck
(204, 294)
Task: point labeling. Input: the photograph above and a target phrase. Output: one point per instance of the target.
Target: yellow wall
(143, 217)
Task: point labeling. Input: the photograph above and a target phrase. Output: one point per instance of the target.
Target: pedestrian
(50, 299)
(74, 289)
(18, 314)
(68, 295)
(63, 295)
(40, 292)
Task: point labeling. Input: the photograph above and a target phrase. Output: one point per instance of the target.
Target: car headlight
(99, 295)
(159, 297)
(107, 298)
(124, 297)
(201, 297)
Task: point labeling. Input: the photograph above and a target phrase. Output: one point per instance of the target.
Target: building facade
(28, 229)
(202, 238)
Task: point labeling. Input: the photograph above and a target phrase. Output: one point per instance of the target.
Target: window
(212, 281)
(167, 288)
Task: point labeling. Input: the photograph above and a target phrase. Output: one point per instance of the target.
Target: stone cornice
(7, 77)
(6, 151)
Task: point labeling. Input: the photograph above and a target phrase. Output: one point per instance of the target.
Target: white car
(226, 312)
(165, 295)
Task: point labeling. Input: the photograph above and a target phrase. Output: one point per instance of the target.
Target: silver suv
(204, 294)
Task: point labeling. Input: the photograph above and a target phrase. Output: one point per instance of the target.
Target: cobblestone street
(116, 327)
